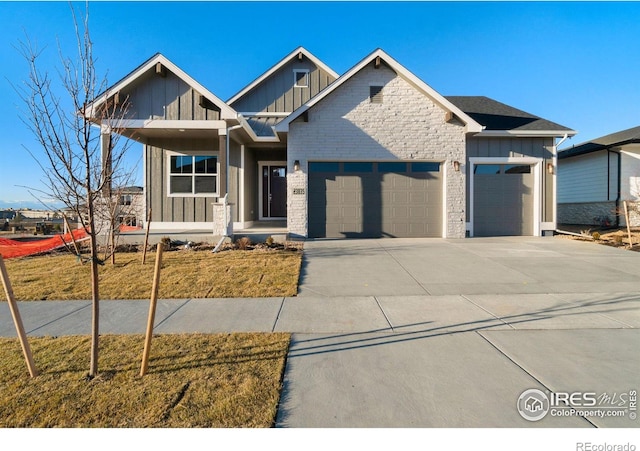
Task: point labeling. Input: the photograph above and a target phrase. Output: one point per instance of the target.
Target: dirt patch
(617, 237)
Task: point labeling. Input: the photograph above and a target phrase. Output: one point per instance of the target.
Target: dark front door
(274, 191)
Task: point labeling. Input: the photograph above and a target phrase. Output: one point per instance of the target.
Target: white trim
(280, 64)
(226, 112)
(261, 165)
(471, 125)
(241, 199)
(144, 185)
(536, 163)
(194, 153)
(195, 227)
(525, 133)
(445, 204)
(265, 113)
(163, 124)
(295, 78)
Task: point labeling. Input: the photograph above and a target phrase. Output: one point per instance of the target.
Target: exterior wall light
(456, 166)
(296, 165)
(550, 168)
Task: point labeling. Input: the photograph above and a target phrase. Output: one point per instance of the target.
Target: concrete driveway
(450, 333)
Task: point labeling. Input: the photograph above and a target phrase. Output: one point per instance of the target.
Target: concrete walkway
(422, 333)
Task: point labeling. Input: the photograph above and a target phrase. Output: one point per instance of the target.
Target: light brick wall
(408, 125)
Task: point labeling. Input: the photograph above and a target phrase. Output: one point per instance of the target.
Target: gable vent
(375, 94)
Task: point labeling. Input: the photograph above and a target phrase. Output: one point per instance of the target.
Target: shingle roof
(495, 115)
(628, 136)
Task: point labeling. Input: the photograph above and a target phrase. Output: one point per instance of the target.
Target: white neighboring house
(595, 177)
(129, 209)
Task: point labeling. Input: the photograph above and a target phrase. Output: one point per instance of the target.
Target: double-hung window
(193, 175)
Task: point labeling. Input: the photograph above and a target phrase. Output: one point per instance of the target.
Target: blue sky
(575, 63)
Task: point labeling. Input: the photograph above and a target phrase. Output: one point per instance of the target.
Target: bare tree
(80, 158)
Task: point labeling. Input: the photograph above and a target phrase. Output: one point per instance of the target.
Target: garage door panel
(377, 202)
(503, 203)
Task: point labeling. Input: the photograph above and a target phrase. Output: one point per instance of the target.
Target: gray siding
(517, 147)
(174, 209)
(278, 94)
(155, 97)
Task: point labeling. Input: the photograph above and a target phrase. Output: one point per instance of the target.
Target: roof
(263, 126)
(226, 112)
(277, 66)
(472, 125)
(494, 115)
(628, 136)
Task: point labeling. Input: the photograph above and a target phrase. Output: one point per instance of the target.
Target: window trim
(193, 154)
(295, 78)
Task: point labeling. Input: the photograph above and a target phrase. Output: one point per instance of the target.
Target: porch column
(107, 160)
(222, 158)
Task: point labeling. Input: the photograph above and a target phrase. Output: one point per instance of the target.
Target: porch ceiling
(153, 129)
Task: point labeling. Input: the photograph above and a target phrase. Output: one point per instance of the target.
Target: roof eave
(526, 133)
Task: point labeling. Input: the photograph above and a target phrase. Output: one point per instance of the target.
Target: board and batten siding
(517, 148)
(174, 209)
(630, 173)
(277, 93)
(155, 97)
(587, 178)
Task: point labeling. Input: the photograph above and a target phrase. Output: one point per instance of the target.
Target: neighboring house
(373, 152)
(595, 177)
(126, 208)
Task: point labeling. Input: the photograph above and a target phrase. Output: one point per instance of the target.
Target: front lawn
(207, 381)
(185, 274)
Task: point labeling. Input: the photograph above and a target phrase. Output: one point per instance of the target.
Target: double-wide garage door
(375, 199)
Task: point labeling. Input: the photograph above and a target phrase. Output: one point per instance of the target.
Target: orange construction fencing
(16, 248)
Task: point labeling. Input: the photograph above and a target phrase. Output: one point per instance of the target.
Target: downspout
(554, 161)
(619, 193)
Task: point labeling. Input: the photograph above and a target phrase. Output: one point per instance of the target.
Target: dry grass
(192, 381)
(185, 274)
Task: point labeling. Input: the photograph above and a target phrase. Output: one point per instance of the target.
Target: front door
(274, 191)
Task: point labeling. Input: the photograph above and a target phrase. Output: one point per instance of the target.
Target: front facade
(596, 177)
(374, 152)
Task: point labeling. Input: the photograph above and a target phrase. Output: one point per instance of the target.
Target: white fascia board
(151, 124)
(280, 64)
(471, 125)
(226, 112)
(525, 133)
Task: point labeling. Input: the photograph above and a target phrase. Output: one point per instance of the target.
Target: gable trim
(471, 125)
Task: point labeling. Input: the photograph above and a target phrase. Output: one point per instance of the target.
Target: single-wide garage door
(503, 200)
(375, 199)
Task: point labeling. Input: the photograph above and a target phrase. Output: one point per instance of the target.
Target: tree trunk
(95, 295)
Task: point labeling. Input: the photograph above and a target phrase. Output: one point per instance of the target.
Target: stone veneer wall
(345, 126)
(587, 213)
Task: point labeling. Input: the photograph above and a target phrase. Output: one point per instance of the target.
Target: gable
(377, 59)
(275, 91)
(167, 97)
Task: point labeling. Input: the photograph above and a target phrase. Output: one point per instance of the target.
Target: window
(425, 167)
(358, 167)
(324, 167)
(301, 78)
(375, 94)
(193, 175)
(126, 199)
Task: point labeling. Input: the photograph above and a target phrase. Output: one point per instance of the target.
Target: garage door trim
(536, 164)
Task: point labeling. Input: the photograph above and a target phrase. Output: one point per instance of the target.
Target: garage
(503, 199)
(375, 199)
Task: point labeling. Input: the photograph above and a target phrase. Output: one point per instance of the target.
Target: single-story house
(596, 177)
(374, 152)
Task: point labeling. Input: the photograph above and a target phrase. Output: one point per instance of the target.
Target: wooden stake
(75, 245)
(626, 219)
(152, 311)
(17, 320)
(146, 238)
